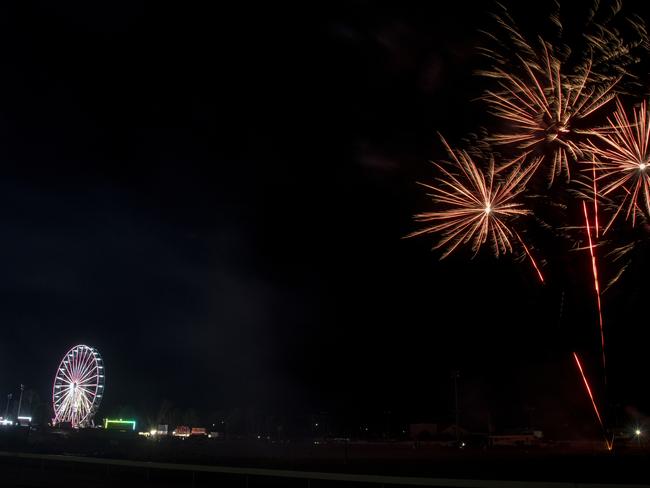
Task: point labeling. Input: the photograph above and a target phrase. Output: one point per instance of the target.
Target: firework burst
(549, 99)
(609, 43)
(543, 109)
(546, 87)
(621, 158)
(477, 205)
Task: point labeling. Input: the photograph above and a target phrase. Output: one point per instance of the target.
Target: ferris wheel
(78, 386)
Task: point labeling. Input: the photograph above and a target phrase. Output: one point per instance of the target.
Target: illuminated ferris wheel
(78, 386)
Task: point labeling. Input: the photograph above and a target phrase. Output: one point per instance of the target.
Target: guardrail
(247, 474)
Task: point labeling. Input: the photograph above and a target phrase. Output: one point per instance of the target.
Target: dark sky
(215, 197)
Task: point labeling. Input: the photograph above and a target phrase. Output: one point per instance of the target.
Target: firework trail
(594, 269)
(608, 443)
(589, 392)
(532, 260)
(620, 243)
(477, 205)
(595, 189)
(621, 157)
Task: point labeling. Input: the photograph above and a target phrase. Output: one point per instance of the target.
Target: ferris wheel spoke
(78, 357)
(87, 380)
(87, 403)
(61, 381)
(82, 359)
(88, 392)
(65, 378)
(74, 360)
(83, 409)
(65, 372)
(61, 394)
(59, 391)
(89, 377)
(87, 368)
(88, 365)
(81, 394)
(67, 398)
(59, 398)
(89, 371)
(63, 408)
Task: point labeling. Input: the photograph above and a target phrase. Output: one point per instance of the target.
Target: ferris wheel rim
(78, 385)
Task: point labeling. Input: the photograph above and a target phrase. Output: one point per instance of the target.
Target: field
(580, 463)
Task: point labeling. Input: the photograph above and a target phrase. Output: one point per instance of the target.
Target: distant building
(181, 431)
(450, 431)
(531, 438)
(435, 432)
(421, 432)
(24, 421)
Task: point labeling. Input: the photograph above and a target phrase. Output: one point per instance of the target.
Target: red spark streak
(593, 167)
(591, 396)
(532, 260)
(594, 269)
(609, 444)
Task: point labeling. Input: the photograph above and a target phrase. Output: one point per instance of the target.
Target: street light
(638, 433)
(455, 375)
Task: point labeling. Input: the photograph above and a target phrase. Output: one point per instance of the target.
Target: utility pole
(9, 397)
(20, 400)
(387, 424)
(455, 375)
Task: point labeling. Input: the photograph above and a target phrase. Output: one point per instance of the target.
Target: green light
(119, 423)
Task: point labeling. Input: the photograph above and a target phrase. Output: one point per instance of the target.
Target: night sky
(216, 199)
